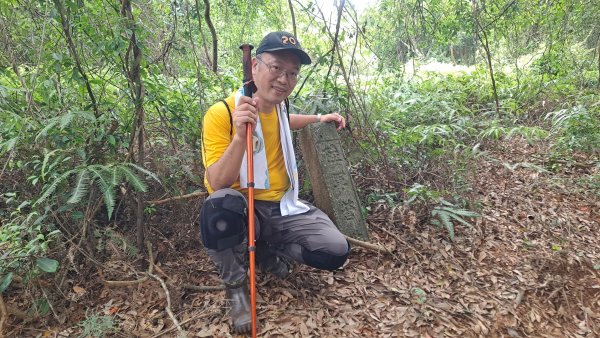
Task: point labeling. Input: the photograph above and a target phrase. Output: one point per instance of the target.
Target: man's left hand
(339, 120)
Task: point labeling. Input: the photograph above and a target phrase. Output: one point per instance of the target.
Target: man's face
(275, 75)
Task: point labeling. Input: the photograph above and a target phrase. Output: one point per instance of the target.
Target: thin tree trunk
(138, 97)
(486, 46)
(293, 17)
(71, 46)
(213, 33)
(598, 51)
(488, 55)
(204, 43)
(195, 53)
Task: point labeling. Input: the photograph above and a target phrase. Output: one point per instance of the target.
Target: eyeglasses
(278, 71)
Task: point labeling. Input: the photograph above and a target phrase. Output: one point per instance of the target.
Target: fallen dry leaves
(529, 268)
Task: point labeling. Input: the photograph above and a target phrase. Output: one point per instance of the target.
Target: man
(287, 229)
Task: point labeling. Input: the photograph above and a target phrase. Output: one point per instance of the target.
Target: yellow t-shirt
(216, 139)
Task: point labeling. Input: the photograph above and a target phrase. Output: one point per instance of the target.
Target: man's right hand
(246, 111)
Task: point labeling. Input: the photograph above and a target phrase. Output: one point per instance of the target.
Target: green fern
(51, 123)
(132, 179)
(120, 240)
(52, 187)
(106, 177)
(144, 171)
(101, 178)
(81, 187)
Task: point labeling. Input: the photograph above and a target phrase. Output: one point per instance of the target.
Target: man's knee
(331, 259)
(223, 219)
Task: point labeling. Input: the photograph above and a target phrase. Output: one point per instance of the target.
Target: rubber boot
(239, 297)
(268, 261)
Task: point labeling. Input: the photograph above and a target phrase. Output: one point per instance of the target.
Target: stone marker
(333, 187)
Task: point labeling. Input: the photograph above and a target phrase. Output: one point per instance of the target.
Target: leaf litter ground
(530, 267)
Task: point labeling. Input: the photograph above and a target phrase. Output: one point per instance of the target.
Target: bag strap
(230, 118)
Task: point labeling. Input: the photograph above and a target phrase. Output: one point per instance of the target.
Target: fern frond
(103, 182)
(53, 186)
(129, 248)
(145, 171)
(46, 159)
(116, 176)
(51, 124)
(81, 187)
(133, 179)
(66, 119)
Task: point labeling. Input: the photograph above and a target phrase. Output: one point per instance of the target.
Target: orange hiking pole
(247, 91)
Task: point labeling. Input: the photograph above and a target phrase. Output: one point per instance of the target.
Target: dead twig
(403, 242)
(2, 314)
(182, 333)
(201, 315)
(179, 198)
(367, 245)
(204, 287)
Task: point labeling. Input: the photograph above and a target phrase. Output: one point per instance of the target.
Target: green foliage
(106, 177)
(47, 264)
(576, 128)
(421, 295)
(24, 240)
(97, 325)
(447, 215)
(120, 241)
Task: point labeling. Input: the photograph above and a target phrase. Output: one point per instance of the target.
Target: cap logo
(288, 39)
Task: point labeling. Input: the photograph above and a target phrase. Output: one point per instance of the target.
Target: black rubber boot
(268, 261)
(239, 297)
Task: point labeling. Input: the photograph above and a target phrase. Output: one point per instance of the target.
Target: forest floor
(529, 267)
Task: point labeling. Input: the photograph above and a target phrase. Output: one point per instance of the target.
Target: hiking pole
(247, 91)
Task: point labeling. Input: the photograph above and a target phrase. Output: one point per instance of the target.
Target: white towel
(289, 204)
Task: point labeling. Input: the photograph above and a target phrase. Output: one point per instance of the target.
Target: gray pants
(310, 238)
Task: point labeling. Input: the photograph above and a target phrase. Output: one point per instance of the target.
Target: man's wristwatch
(319, 117)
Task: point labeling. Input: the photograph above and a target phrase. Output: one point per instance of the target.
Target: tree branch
(293, 17)
(71, 46)
(213, 33)
(179, 198)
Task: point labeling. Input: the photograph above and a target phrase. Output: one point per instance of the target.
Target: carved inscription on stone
(333, 187)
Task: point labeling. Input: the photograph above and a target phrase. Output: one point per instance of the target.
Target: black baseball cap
(275, 41)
